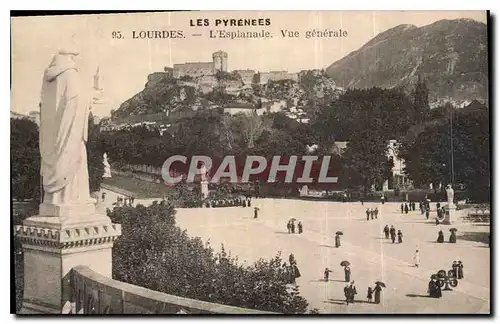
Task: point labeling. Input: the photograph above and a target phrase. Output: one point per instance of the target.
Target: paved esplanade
(363, 244)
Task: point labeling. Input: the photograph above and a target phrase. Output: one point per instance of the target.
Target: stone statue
(450, 193)
(204, 182)
(63, 133)
(107, 167)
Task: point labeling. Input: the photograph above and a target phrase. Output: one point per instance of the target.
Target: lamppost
(452, 171)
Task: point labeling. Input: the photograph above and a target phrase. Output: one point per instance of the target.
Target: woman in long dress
(347, 272)
(440, 237)
(337, 240)
(460, 270)
(377, 291)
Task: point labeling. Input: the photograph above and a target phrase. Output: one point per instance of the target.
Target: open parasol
(453, 229)
(339, 233)
(345, 263)
(293, 219)
(256, 208)
(380, 283)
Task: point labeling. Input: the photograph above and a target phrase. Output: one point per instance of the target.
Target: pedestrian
(249, 202)
(413, 205)
(434, 289)
(453, 237)
(372, 212)
(406, 209)
(386, 231)
(327, 274)
(299, 226)
(291, 258)
(402, 208)
(376, 212)
(255, 212)
(460, 270)
(369, 295)
(352, 292)
(440, 237)
(347, 294)
(367, 213)
(103, 196)
(289, 227)
(427, 213)
(347, 273)
(454, 269)
(400, 236)
(416, 259)
(392, 231)
(337, 240)
(377, 291)
(362, 203)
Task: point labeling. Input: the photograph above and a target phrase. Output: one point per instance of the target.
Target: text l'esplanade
(230, 22)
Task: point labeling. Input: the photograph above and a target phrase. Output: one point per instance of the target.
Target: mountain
(450, 55)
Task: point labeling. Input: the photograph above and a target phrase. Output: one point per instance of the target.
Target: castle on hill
(206, 70)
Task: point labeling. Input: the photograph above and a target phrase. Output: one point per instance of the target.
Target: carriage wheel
(453, 282)
(441, 274)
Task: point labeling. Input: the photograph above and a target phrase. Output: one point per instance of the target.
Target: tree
(25, 159)
(154, 253)
(95, 154)
(366, 162)
(428, 154)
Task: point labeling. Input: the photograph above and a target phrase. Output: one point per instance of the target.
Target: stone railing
(93, 293)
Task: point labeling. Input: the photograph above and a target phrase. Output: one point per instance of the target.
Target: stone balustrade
(93, 293)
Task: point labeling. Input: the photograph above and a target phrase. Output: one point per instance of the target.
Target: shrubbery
(154, 253)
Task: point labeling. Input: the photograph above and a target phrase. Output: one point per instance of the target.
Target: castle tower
(220, 61)
(97, 80)
(98, 92)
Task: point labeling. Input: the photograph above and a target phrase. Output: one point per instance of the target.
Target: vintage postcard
(251, 162)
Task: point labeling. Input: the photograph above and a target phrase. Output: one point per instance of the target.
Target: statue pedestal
(449, 215)
(53, 245)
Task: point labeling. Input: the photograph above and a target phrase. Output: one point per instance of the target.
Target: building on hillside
(246, 76)
(194, 69)
(277, 106)
(277, 76)
(244, 108)
(198, 69)
(220, 61)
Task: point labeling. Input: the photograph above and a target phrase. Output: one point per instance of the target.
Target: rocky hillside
(451, 55)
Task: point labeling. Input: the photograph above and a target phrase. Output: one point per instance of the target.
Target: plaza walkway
(363, 244)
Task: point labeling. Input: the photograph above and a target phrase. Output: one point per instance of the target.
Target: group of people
(291, 227)
(391, 232)
(350, 292)
(121, 201)
(407, 206)
(371, 213)
(243, 202)
(457, 269)
(453, 237)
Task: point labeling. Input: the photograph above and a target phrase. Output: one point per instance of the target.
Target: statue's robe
(63, 133)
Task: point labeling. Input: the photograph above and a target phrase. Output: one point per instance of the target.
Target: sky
(125, 63)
